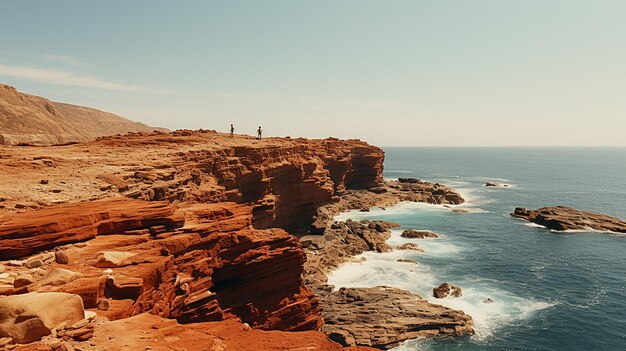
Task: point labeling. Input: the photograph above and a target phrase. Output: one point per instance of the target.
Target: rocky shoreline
(381, 317)
(196, 239)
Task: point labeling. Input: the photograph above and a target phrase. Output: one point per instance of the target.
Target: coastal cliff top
(183, 165)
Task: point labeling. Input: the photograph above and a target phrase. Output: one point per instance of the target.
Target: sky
(393, 73)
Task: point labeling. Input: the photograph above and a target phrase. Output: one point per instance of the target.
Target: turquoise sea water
(551, 291)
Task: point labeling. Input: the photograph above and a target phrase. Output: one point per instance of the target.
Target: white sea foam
(533, 225)
(587, 230)
(384, 269)
(570, 231)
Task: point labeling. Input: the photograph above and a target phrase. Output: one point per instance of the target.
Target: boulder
(418, 234)
(29, 317)
(444, 290)
(61, 257)
(34, 263)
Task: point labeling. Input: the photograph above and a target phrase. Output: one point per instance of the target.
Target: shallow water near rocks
(550, 291)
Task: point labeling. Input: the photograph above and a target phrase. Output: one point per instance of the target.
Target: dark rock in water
(404, 260)
(488, 300)
(409, 180)
(410, 246)
(418, 234)
(496, 185)
(445, 290)
(566, 218)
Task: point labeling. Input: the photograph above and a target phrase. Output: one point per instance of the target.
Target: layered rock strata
(284, 180)
(566, 218)
(195, 263)
(210, 266)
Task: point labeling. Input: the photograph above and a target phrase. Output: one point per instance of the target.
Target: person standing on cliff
(258, 133)
(232, 130)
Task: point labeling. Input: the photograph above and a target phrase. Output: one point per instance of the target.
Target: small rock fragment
(34, 263)
(61, 257)
(16, 263)
(103, 305)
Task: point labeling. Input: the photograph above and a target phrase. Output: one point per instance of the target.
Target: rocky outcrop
(445, 289)
(386, 194)
(410, 246)
(382, 317)
(565, 218)
(418, 234)
(35, 120)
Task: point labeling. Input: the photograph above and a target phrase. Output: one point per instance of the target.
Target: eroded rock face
(566, 218)
(365, 316)
(29, 317)
(285, 180)
(193, 263)
(26, 233)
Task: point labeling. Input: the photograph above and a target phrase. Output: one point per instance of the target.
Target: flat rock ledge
(382, 317)
(562, 218)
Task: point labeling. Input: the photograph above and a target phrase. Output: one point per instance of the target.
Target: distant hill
(32, 119)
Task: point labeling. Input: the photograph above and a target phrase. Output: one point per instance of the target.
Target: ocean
(550, 291)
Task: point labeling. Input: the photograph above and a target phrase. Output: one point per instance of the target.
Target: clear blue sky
(531, 72)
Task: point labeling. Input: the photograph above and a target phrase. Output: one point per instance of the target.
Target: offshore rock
(445, 289)
(418, 234)
(566, 218)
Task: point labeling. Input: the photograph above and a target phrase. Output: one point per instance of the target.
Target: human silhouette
(232, 130)
(258, 133)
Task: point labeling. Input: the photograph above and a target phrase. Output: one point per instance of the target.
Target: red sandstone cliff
(200, 249)
(284, 180)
